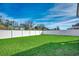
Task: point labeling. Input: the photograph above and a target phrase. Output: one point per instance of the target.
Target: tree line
(6, 24)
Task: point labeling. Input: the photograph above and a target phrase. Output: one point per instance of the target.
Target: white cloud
(64, 24)
(68, 9)
(64, 9)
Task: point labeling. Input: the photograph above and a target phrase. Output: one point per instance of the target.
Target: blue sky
(50, 14)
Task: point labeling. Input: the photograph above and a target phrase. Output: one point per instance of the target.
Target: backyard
(40, 45)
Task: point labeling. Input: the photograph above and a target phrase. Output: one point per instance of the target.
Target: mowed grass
(13, 46)
(52, 49)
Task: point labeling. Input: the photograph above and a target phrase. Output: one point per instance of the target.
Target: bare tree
(28, 25)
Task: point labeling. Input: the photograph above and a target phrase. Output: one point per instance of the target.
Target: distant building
(76, 26)
(77, 13)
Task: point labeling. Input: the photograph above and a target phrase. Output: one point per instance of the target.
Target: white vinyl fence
(19, 33)
(62, 32)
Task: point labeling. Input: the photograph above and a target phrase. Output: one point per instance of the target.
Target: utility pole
(77, 13)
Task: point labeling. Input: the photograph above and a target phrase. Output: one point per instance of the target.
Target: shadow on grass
(53, 49)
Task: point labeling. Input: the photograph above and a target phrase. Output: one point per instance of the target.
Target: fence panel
(17, 33)
(5, 34)
(62, 32)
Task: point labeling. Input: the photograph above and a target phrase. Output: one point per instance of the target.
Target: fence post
(11, 34)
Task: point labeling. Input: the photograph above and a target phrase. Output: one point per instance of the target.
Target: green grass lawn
(19, 45)
(52, 49)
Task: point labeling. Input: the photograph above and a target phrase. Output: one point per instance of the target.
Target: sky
(49, 14)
